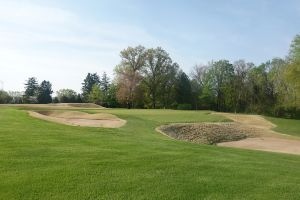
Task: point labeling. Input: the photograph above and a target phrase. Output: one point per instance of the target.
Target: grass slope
(43, 160)
(286, 126)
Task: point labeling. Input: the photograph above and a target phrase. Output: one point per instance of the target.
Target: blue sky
(63, 40)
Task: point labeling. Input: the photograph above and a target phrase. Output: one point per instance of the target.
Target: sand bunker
(272, 144)
(76, 118)
(247, 132)
(266, 140)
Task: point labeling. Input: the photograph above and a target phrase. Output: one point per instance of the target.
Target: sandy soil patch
(207, 133)
(266, 140)
(273, 144)
(246, 131)
(76, 118)
(256, 121)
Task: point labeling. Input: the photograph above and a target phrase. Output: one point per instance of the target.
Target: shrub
(287, 112)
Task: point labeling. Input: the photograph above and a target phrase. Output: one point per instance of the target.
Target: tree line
(149, 78)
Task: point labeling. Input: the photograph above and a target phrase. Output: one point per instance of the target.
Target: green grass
(43, 160)
(286, 126)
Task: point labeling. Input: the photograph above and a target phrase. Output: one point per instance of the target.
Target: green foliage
(203, 76)
(293, 81)
(31, 86)
(133, 57)
(148, 78)
(104, 84)
(67, 96)
(196, 91)
(128, 74)
(293, 73)
(261, 90)
(216, 83)
(155, 72)
(31, 89)
(55, 100)
(97, 90)
(88, 83)
(271, 88)
(240, 88)
(111, 98)
(294, 54)
(96, 95)
(167, 93)
(5, 97)
(184, 107)
(183, 89)
(44, 92)
(287, 112)
(222, 73)
(35, 93)
(207, 98)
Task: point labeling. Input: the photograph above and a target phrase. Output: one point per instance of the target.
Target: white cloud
(58, 45)
(22, 13)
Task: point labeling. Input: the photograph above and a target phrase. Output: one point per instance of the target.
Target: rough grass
(44, 160)
(286, 126)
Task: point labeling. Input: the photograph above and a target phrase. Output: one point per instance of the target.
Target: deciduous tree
(95, 96)
(67, 96)
(155, 72)
(128, 73)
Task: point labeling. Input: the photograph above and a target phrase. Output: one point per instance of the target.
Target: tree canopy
(44, 92)
(149, 78)
(88, 83)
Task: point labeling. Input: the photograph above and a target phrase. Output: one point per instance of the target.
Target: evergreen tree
(111, 100)
(184, 89)
(104, 83)
(44, 92)
(88, 83)
(31, 89)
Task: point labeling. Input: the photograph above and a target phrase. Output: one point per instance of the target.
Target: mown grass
(286, 126)
(43, 160)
